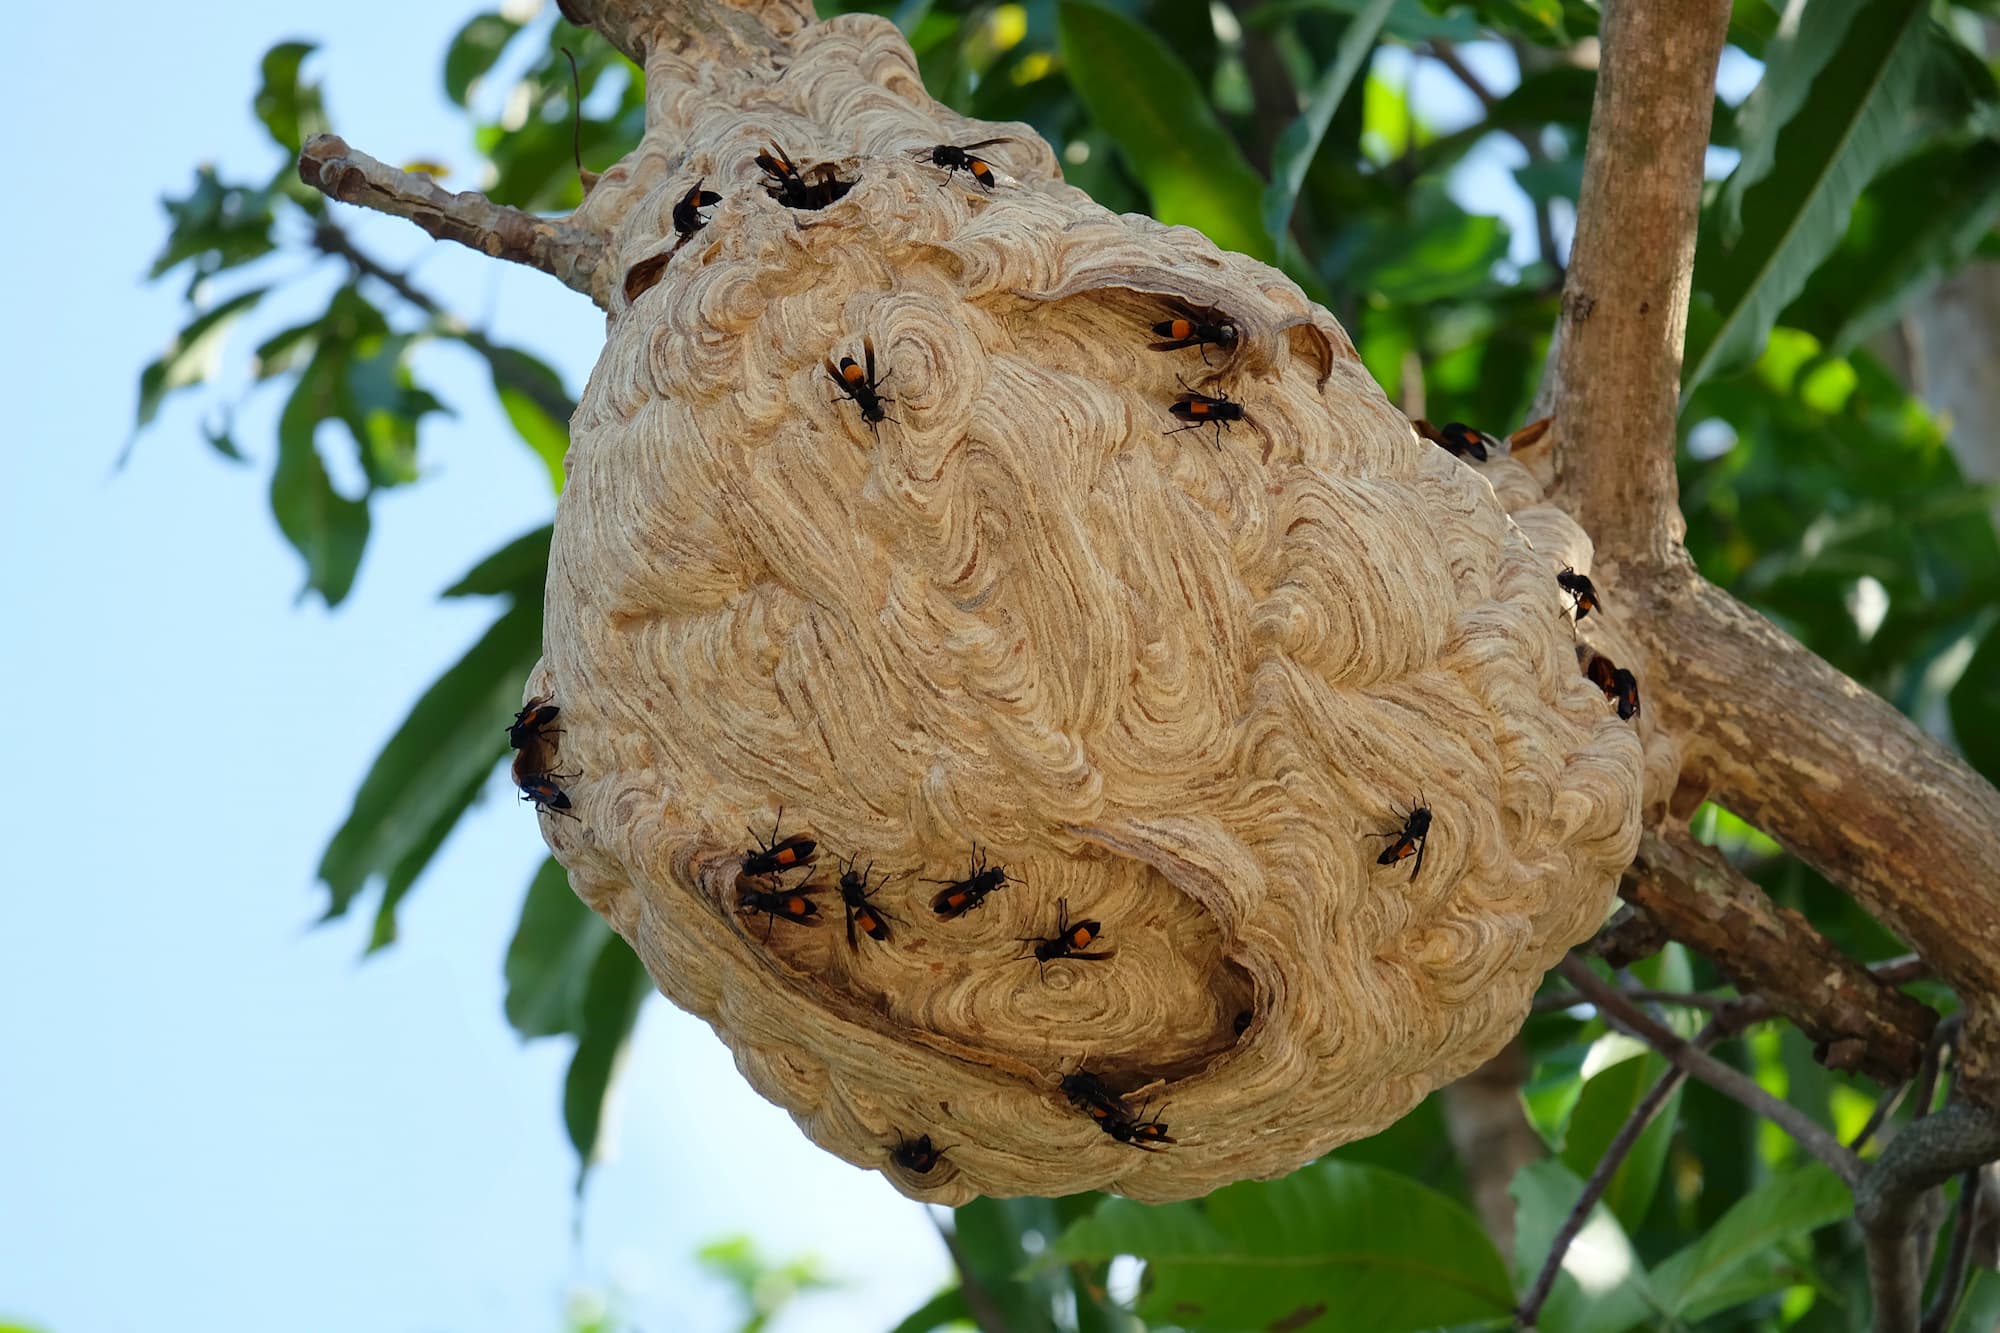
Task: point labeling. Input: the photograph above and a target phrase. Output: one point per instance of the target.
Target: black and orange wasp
(1071, 940)
(774, 857)
(960, 896)
(959, 157)
(1195, 328)
(854, 895)
(1200, 409)
(1409, 839)
(859, 382)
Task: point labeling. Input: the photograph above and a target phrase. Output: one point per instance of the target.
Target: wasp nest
(1244, 775)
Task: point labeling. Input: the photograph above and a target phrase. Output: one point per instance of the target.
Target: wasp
(918, 1155)
(531, 723)
(854, 896)
(1141, 1133)
(960, 896)
(861, 384)
(543, 790)
(1409, 839)
(794, 190)
(687, 213)
(1582, 591)
(959, 157)
(793, 905)
(1191, 328)
(1070, 940)
(1619, 685)
(1457, 439)
(773, 857)
(1199, 409)
(1088, 1094)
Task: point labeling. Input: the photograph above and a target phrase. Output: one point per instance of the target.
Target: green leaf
(411, 865)
(1140, 92)
(473, 51)
(1919, 223)
(1408, 20)
(1839, 109)
(947, 1307)
(519, 569)
(454, 735)
(1373, 1248)
(216, 226)
(618, 985)
(992, 1240)
(549, 960)
(326, 528)
(1299, 143)
(536, 403)
(192, 356)
(1979, 1308)
(1608, 1099)
(290, 110)
(1793, 1203)
(1602, 1286)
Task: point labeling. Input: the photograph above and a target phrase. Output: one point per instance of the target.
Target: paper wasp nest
(1184, 683)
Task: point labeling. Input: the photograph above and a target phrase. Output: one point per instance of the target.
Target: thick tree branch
(1732, 1083)
(1841, 779)
(1859, 1021)
(1617, 369)
(571, 254)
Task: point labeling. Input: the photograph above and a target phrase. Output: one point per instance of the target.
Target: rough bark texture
(1617, 371)
(1773, 951)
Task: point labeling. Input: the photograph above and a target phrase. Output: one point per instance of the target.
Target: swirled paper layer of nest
(1185, 685)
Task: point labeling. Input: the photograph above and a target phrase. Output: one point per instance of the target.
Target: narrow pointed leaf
(618, 985)
(411, 865)
(1145, 98)
(1790, 1204)
(453, 737)
(1299, 143)
(549, 961)
(1607, 1102)
(1851, 119)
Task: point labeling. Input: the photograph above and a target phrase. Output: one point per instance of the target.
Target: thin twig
(1600, 1178)
(1680, 999)
(571, 254)
(1545, 229)
(330, 238)
(1884, 1108)
(1730, 1082)
(1951, 1282)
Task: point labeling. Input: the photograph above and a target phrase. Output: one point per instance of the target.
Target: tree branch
(1858, 1020)
(1732, 1083)
(569, 253)
(1615, 1153)
(1951, 1281)
(1841, 779)
(1545, 228)
(1892, 1202)
(505, 363)
(1616, 379)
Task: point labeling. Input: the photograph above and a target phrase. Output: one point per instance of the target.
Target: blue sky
(213, 1114)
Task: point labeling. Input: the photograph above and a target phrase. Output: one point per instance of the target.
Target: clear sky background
(213, 1114)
